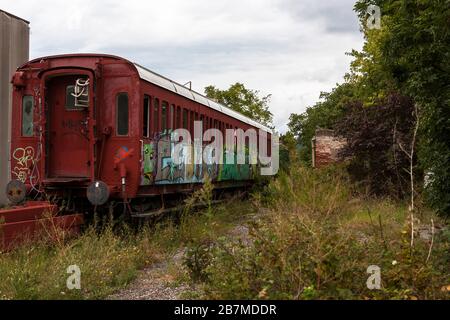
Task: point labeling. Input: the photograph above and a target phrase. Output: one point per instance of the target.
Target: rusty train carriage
(83, 118)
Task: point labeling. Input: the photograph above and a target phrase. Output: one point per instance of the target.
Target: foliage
(243, 100)
(413, 50)
(375, 137)
(109, 256)
(202, 197)
(323, 114)
(288, 151)
(409, 56)
(107, 259)
(314, 243)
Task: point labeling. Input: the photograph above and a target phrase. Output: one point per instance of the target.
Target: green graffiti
(148, 164)
(158, 167)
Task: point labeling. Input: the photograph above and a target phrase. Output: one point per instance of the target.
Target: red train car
(99, 126)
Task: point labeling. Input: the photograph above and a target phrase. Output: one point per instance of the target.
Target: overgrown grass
(109, 257)
(310, 237)
(318, 240)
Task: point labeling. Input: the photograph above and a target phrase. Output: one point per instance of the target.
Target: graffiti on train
(159, 168)
(25, 158)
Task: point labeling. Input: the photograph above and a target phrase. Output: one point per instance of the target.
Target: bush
(317, 243)
(375, 137)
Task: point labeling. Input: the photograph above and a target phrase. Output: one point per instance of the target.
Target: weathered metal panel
(35, 219)
(32, 210)
(14, 51)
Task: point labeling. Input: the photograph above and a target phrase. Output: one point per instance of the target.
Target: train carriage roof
(170, 85)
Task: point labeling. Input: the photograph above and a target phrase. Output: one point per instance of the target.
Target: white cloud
(291, 49)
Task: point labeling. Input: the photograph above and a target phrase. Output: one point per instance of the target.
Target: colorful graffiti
(147, 165)
(122, 153)
(159, 168)
(25, 158)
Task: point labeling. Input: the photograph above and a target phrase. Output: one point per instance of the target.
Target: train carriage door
(68, 140)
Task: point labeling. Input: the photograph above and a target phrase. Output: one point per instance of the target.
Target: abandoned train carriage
(84, 118)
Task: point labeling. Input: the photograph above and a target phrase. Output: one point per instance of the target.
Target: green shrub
(317, 243)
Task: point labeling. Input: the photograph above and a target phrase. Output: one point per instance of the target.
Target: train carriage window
(178, 122)
(156, 116)
(172, 117)
(191, 122)
(122, 114)
(27, 116)
(185, 119)
(164, 109)
(70, 99)
(201, 120)
(146, 117)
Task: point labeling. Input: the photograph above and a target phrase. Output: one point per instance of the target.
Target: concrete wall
(326, 147)
(14, 51)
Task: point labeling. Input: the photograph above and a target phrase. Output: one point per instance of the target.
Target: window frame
(185, 119)
(172, 116)
(191, 122)
(156, 116)
(178, 118)
(33, 104)
(147, 106)
(164, 116)
(117, 114)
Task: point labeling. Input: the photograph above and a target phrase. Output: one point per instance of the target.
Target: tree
(377, 137)
(413, 47)
(243, 100)
(324, 114)
(288, 151)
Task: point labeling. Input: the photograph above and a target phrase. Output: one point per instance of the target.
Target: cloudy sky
(292, 49)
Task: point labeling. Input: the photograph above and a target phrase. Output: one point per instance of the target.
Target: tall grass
(317, 241)
(109, 254)
(311, 237)
(107, 259)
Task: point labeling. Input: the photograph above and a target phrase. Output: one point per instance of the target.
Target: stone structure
(325, 148)
(14, 51)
